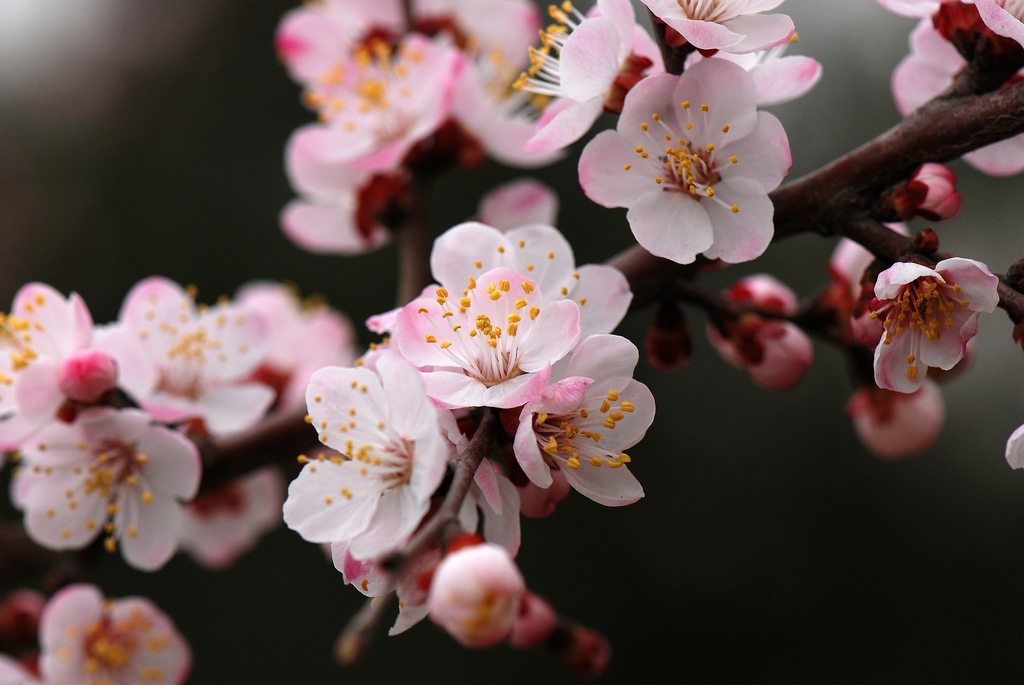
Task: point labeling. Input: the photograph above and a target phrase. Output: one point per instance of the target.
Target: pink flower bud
(87, 374)
(941, 200)
(893, 424)
(533, 625)
(773, 352)
(538, 502)
(475, 595)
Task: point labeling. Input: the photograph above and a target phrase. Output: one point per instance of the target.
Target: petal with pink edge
(330, 229)
(570, 122)
(588, 61)
(1001, 21)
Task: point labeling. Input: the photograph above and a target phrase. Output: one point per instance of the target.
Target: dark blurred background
(144, 137)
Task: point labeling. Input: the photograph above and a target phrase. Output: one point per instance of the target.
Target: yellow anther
(627, 407)
(430, 338)
(735, 209)
(704, 108)
(445, 344)
(685, 104)
(734, 159)
(627, 167)
(643, 127)
(596, 461)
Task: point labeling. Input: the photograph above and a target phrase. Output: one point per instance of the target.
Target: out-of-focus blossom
(583, 423)
(773, 352)
(539, 252)
(392, 458)
(926, 72)
(374, 109)
(667, 343)
(588, 64)
(534, 623)
(111, 472)
(222, 524)
(303, 337)
(518, 203)
(854, 289)
(928, 316)
(693, 160)
(727, 25)
(893, 424)
(312, 40)
(1015, 449)
(913, 8)
(493, 346)
(182, 362)
(48, 366)
(89, 639)
(475, 595)
(13, 672)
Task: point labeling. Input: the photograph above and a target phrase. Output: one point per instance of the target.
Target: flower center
(479, 333)
(923, 307)
(692, 166)
(713, 10)
(373, 84)
(110, 647)
(571, 440)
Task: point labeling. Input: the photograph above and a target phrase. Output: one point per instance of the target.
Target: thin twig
(357, 636)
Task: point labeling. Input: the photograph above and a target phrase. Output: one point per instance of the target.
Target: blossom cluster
(104, 419)
(110, 427)
(511, 325)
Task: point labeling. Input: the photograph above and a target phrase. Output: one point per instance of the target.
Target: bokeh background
(141, 137)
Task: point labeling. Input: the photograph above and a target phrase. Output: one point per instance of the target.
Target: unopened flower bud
(538, 502)
(87, 374)
(941, 199)
(668, 344)
(893, 424)
(774, 353)
(930, 193)
(534, 623)
(475, 595)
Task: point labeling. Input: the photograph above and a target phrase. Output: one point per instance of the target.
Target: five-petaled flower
(693, 160)
(391, 456)
(114, 473)
(928, 315)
